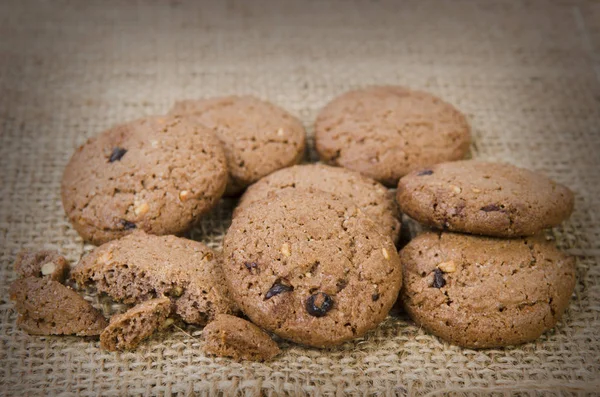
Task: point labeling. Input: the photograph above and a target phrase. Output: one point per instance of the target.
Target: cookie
(42, 264)
(385, 132)
(157, 174)
(370, 196)
(127, 330)
(257, 136)
(482, 292)
(140, 266)
(311, 267)
(230, 336)
(484, 198)
(46, 307)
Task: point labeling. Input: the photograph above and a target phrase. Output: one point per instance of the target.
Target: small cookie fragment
(385, 132)
(369, 195)
(140, 266)
(491, 199)
(46, 307)
(257, 136)
(42, 264)
(230, 336)
(483, 292)
(128, 329)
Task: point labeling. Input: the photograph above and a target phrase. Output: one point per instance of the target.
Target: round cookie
(157, 174)
(374, 199)
(257, 136)
(311, 267)
(482, 292)
(484, 198)
(385, 132)
(141, 266)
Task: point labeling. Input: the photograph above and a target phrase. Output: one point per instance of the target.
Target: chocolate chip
(251, 266)
(277, 289)
(438, 278)
(375, 297)
(425, 172)
(491, 208)
(127, 225)
(319, 304)
(117, 154)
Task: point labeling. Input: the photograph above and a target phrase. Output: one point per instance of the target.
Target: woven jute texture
(527, 74)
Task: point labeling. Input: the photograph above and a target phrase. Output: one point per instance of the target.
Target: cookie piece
(42, 264)
(482, 292)
(230, 336)
(157, 174)
(311, 267)
(484, 198)
(141, 266)
(46, 307)
(127, 330)
(258, 137)
(370, 196)
(385, 132)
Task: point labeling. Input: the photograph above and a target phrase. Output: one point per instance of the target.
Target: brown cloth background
(527, 74)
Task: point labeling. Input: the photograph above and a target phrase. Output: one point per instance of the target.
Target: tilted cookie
(385, 132)
(482, 292)
(371, 197)
(127, 330)
(42, 264)
(157, 174)
(46, 307)
(311, 267)
(140, 266)
(257, 136)
(230, 336)
(478, 197)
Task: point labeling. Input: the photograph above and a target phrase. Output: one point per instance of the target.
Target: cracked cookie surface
(478, 197)
(157, 174)
(140, 266)
(385, 132)
(257, 136)
(311, 267)
(374, 199)
(482, 292)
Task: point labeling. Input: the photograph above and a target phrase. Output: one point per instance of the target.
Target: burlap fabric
(527, 73)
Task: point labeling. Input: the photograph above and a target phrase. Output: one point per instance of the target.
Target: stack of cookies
(311, 252)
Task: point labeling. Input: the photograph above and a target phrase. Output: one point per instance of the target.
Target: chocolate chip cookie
(482, 292)
(46, 307)
(230, 336)
(484, 198)
(157, 174)
(258, 137)
(311, 267)
(140, 266)
(385, 132)
(371, 197)
(127, 330)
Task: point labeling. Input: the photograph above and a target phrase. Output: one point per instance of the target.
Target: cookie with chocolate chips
(478, 197)
(257, 136)
(157, 174)
(385, 132)
(482, 292)
(311, 267)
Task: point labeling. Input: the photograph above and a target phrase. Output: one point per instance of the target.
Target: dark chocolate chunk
(491, 208)
(375, 297)
(319, 304)
(117, 154)
(127, 225)
(277, 289)
(438, 278)
(425, 172)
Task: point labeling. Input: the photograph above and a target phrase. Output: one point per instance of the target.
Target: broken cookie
(128, 329)
(239, 339)
(42, 264)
